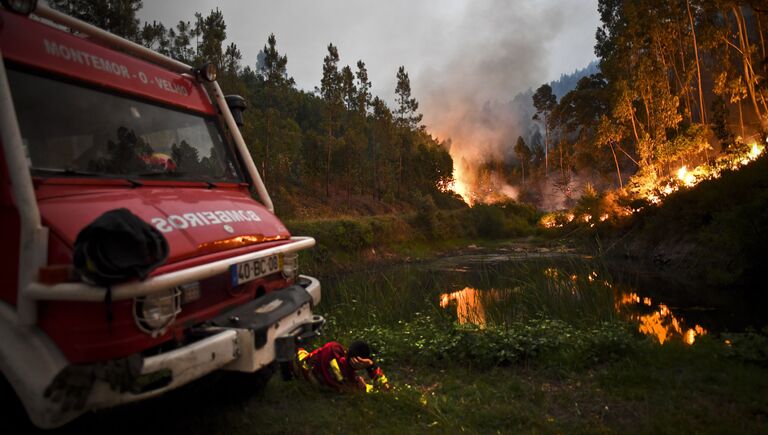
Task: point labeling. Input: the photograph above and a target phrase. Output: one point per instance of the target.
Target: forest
(332, 143)
(679, 84)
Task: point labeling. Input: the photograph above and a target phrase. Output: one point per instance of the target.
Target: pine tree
(273, 72)
(115, 16)
(407, 120)
(407, 108)
(348, 88)
(363, 99)
(213, 32)
(331, 93)
(273, 68)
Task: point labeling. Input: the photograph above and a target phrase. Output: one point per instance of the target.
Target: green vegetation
(713, 233)
(531, 372)
(720, 227)
(394, 237)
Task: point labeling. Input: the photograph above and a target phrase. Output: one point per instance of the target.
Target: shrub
(548, 342)
(488, 220)
(426, 216)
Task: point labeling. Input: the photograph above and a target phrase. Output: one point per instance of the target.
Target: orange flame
(460, 185)
(689, 178)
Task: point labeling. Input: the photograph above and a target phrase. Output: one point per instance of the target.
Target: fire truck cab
(90, 122)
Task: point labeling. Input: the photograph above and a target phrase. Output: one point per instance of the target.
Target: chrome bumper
(226, 348)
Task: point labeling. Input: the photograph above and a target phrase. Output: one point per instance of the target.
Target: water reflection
(656, 320)
(661, 323)
(469, 306)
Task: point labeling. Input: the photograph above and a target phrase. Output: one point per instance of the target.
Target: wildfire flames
(458, 185)
(479, 188)
(683, 178)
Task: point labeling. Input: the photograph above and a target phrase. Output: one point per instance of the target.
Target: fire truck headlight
(207, 72)
(291, 266)
(24, 7)
(156, 312)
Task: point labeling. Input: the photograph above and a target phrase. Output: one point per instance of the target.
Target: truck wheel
(17, 420)
(241, 386)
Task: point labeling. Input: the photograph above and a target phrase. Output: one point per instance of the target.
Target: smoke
(468, 97)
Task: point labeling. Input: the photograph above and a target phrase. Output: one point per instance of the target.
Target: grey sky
(492, 49)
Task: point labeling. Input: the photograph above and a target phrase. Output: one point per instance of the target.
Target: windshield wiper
(209, 184)
(160, 174)
(66, 171)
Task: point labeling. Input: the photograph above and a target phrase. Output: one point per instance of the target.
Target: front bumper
(243, 339)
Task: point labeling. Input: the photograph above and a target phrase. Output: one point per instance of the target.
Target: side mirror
(237, 106)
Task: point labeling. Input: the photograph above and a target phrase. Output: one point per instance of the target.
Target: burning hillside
(480, 186)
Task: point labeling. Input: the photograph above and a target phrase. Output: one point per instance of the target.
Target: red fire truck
(90, 122)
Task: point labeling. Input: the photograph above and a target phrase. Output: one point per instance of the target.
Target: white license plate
(253, 269)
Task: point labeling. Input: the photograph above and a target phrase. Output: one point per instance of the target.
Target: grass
(553, 358)
(656, 389)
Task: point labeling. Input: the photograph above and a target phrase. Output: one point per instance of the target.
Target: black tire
(15, 418)
(242, 386)
(286, 371)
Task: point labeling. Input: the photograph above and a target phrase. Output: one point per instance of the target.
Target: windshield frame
(213, 121)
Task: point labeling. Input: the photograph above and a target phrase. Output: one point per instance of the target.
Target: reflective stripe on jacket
(328, 365)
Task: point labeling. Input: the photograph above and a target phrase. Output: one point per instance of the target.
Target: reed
(574, 291)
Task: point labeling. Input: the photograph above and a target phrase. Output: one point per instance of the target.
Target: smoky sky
(506, 48)
(493, 48)
(466, 58)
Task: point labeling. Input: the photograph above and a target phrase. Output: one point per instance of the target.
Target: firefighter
(336, 367)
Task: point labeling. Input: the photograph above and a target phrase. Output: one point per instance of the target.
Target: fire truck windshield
(72, 130)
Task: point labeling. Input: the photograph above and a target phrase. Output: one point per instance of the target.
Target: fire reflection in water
(660, 323)
(469, 306)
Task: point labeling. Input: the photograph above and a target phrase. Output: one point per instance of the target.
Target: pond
(500, 288)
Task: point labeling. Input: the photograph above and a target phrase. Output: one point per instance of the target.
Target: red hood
(194, 220)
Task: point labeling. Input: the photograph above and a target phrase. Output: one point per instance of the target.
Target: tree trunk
(616, 161)
(266, 145)
(680, 88)
(632, 117)
(698, 67)
(375, 180)
(745, 56)
(328, 165)
(741, 119)
(688, 96)
(760, 32)
(546, 147)
(649, 125)
(400, 167)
